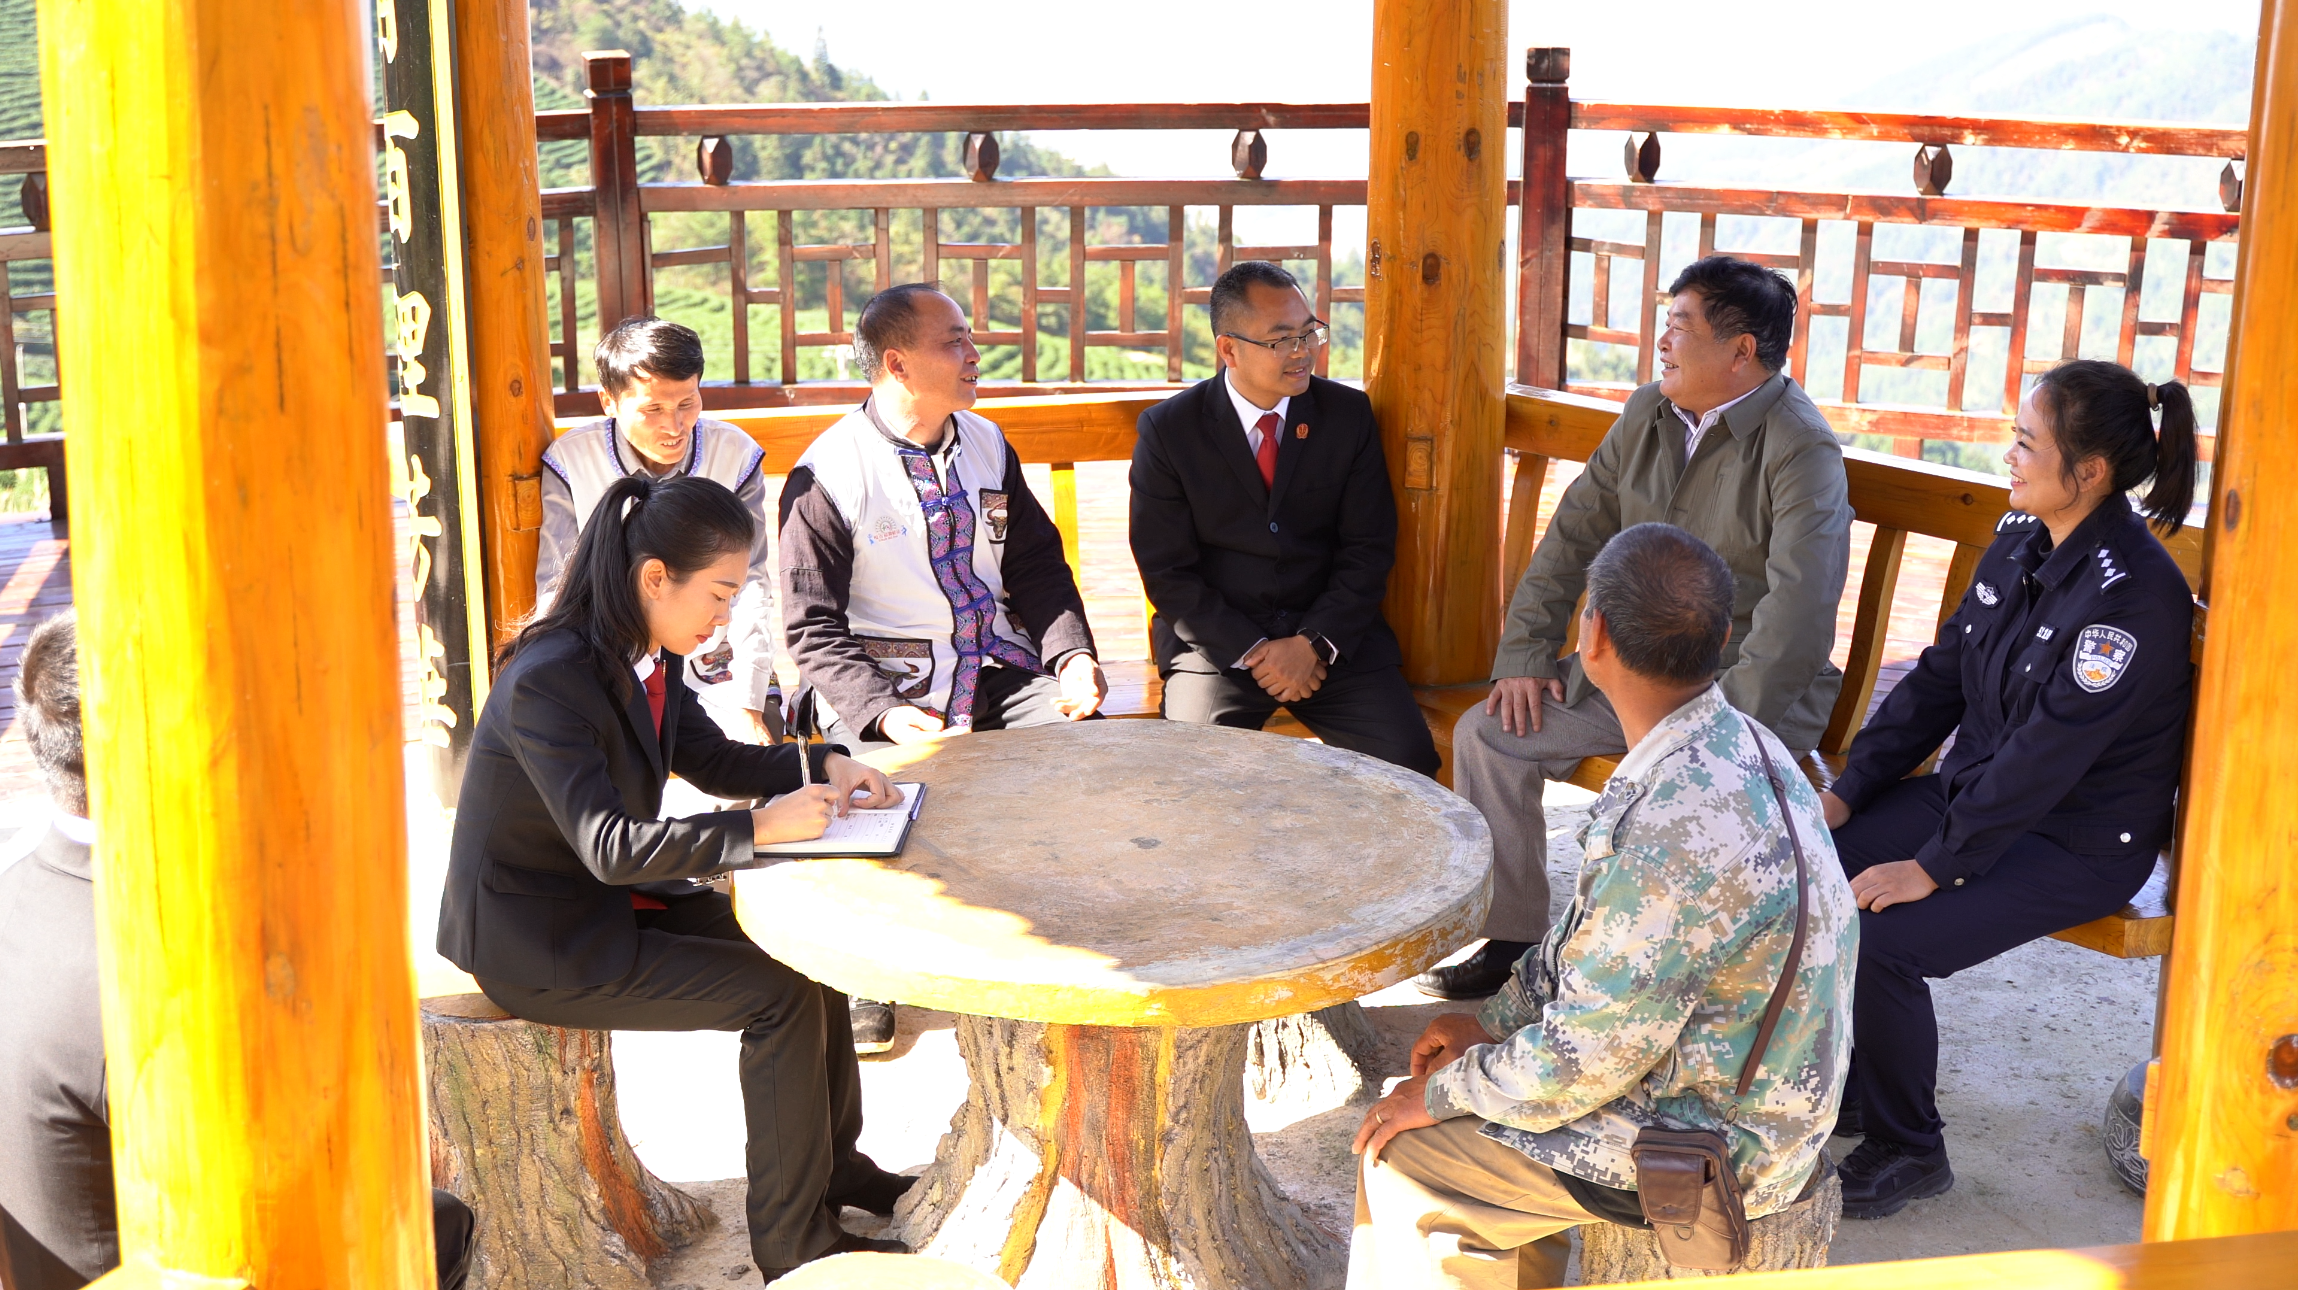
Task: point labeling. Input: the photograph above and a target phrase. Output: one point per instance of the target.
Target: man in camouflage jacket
(1642, 1005)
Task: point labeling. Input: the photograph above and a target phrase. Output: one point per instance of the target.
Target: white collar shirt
(1694, 429)
(1250, 416)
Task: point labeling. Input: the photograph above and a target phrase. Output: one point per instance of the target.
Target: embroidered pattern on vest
(973, 610)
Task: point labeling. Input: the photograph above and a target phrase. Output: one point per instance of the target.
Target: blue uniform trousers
(2038, 887)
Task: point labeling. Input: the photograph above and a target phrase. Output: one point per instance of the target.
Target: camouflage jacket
(1640, 1007)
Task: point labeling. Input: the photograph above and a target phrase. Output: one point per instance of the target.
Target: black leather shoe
(1478, 976)
(878, 1195)
(848, 1243)
(873, 1025)
(1880, 1177)
(1849, 1123)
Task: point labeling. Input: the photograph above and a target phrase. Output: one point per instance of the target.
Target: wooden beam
(1436, 328)
(1092, 427)
(2165, 138)
(504, 292)
(214, 165)
(1908, 208)
(2224, 1113)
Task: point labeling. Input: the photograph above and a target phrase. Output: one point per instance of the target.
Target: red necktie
(1267, 457)
(654, 696)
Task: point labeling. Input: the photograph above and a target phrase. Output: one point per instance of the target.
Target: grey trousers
(1502, 775)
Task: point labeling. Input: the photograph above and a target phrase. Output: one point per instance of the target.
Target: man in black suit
(1264, 528)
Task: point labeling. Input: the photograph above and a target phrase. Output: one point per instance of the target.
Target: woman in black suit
(572, 904)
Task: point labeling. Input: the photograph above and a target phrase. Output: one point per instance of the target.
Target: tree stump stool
(1112, 955)
(524, 1129)
(1782, 1241)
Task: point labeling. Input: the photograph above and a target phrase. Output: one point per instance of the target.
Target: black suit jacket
(557, 818)
(1227, 561)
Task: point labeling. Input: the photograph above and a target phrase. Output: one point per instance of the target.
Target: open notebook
(867, 834)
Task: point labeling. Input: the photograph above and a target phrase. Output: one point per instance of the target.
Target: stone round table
(1108, 906)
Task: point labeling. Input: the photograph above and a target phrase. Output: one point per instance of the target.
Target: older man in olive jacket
(1725, 445)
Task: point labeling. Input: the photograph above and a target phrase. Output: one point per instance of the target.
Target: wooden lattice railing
(1572, 284)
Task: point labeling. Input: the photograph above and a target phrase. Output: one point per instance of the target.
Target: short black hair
(48, 696)
(1666, 599)
(1740, 299)
(1229, 290)
(889, 321)
(656, 346)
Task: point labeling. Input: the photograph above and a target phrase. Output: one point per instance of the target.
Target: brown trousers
(1447, 1208)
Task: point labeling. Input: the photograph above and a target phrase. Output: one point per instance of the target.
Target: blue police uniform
(2065, 677)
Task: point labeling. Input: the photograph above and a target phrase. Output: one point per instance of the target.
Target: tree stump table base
(1787, 1240)
(524, 1128)
(1111, 1158)
(1313, 1061)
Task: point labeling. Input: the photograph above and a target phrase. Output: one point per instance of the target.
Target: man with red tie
(1264, 529)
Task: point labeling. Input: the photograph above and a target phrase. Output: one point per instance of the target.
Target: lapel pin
(1301, 431)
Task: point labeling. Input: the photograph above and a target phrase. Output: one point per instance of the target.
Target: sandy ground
(2032, 1043)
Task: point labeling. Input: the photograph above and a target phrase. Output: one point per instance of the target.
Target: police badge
(2101, 656)
(1987, 594)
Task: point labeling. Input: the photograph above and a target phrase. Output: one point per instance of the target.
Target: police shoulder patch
(2013, 520)
(2110, 573)
(2101, 655)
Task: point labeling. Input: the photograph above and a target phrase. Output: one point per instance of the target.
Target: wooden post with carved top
(510, 345)
(1436, 344)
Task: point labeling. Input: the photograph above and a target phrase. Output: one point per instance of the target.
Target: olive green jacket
(1769, 496)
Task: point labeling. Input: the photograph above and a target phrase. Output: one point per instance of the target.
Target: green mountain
(680, 55)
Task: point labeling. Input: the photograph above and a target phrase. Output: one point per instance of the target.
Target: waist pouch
(1691, 1197)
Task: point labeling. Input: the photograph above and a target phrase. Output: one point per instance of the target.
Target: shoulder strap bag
(1684, 1177)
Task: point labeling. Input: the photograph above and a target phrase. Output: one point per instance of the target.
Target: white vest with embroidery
(592, 458)
(897, 607)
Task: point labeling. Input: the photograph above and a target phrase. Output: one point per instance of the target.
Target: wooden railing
(602, 232)
(1612, 313)
(23, 168)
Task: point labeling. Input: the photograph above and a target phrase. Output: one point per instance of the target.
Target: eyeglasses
(1316, 337)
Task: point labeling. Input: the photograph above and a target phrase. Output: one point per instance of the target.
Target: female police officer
(2064, 677)
(565, 892)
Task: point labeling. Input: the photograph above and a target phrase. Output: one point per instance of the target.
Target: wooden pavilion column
(215, 190)
(2223, 1125)
(510, 321)
(1436, 342)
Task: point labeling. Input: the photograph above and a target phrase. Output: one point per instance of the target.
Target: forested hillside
(688, 56)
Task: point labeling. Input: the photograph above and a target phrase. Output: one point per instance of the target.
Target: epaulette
(2012, 520)
(2110, 572)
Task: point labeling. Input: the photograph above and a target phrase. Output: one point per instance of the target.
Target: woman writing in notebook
(572, 904)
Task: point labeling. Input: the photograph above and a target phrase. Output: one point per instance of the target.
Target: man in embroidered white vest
(924, 590)
(650, 384)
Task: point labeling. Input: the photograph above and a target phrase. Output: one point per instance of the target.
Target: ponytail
(2174, 459)
(688, 523)
(2101, 409)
